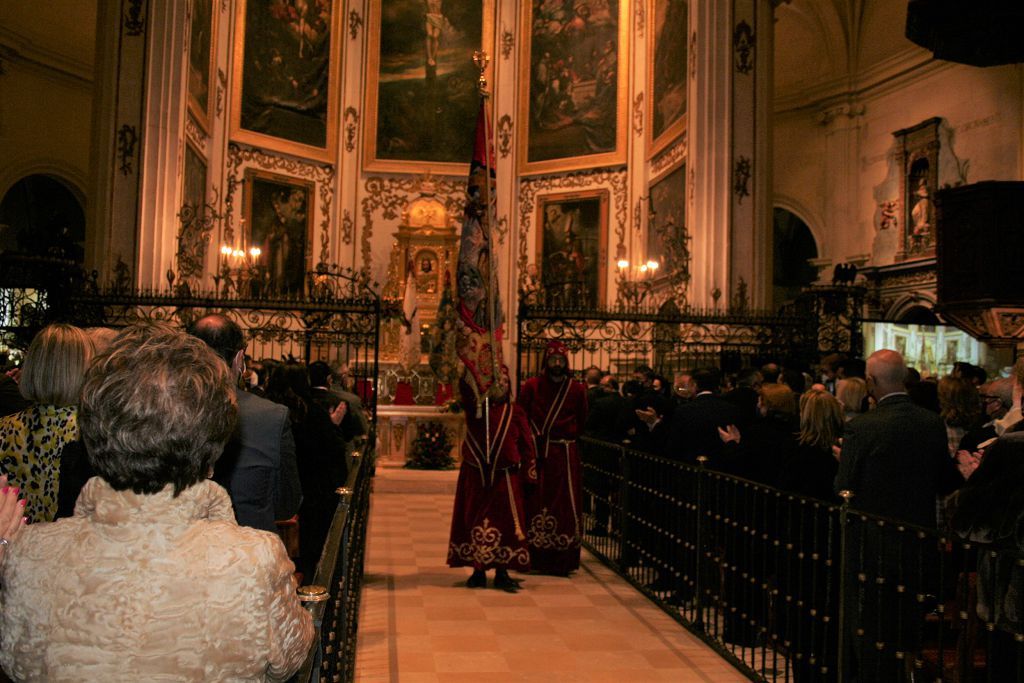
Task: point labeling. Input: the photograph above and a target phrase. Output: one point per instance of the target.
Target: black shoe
(506, 583)
(477, 580)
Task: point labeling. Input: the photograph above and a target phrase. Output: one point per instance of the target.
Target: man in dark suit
(693, 430)
(896, 462)
(353, 423)
(258, 466)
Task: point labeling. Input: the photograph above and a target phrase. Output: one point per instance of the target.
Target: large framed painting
(421, 83)
(193, 179)
(278, 214)
(666, 221)
(201, 60)
(286, 65)
(572, 247)
(666, 74)
(572, 85)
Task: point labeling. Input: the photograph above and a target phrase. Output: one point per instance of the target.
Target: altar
(425, 248)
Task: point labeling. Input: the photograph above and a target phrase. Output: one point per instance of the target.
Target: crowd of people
(146, 474)
(934, 452)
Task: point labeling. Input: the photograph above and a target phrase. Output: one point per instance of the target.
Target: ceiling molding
(876, 80)
(18, 48)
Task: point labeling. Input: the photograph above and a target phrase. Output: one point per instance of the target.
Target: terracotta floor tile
(417, 615)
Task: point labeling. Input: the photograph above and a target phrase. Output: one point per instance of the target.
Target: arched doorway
(793, 247)
(40, 216)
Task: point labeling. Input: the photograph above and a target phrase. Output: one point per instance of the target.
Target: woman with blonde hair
(852, 393)
(811, 468)
(33, 441)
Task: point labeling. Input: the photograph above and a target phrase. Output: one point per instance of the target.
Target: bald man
(895, 460)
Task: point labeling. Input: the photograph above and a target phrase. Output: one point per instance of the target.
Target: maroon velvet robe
(489, 519)
(556, 413)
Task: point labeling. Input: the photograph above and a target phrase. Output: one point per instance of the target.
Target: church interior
(680, 158)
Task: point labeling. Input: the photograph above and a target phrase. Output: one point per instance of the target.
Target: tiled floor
(419, 623)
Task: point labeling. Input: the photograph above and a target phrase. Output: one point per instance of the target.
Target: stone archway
(793, 248)
(41, 216)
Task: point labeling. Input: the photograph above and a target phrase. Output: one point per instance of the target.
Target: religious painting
(202, 29)
(286, 70)
(427, 271)
(917, 152)
(666, 80)
(422, 96)
(279, 222)
(193, 182)
(572, 247)
(572, 85)
(666, 221)
(193, 230)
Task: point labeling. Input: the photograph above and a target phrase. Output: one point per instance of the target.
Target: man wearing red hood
(489, 518)
(556, 406)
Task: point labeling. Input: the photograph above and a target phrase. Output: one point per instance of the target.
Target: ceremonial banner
(409, 355)
(479, 322)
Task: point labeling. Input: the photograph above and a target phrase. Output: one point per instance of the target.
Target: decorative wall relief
(693, 55)
(222, 88)
(640, 18)
(286, 77)
(917, 156)
(195, 135)
(421, 84)
(127, 138)
(638, 113)
(355, 22)
(741, 178)
(389, 195)
(241, 158)
(670, 158)
(351, 128)
(743, 47)
(666, 74)
(572, 85)
(508, 41)
(201, 60)
(888, 218)
(504, 135)
(347, 227)
(531, 188)
(135, 18)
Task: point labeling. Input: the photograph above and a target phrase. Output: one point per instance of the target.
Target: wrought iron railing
(787, 587)
(671, 339)
(333, 597)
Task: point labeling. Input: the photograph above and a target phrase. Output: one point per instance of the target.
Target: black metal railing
(333, 597)
(669, 339)
(789, 588)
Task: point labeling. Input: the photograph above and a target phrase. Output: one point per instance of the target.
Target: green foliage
(432, 448)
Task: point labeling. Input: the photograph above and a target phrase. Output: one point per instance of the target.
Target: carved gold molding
(670, 158)
(390, 194)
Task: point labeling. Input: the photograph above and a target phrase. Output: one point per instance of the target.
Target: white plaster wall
(982, 122)
(46, 50)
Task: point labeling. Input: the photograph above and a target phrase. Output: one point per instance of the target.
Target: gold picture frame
(666, 115)
(278, 212)
(572, 247)
(397, 137)
(201, 100)
(282, 129)
(565, 94)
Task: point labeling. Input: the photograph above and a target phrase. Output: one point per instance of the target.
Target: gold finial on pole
(481, 59)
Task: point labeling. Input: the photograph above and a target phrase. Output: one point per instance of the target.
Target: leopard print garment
(30, 446)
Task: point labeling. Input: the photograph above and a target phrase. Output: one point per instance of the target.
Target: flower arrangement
(432, 448)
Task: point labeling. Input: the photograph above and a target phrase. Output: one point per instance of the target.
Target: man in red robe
(489, 519)
(556, 406)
